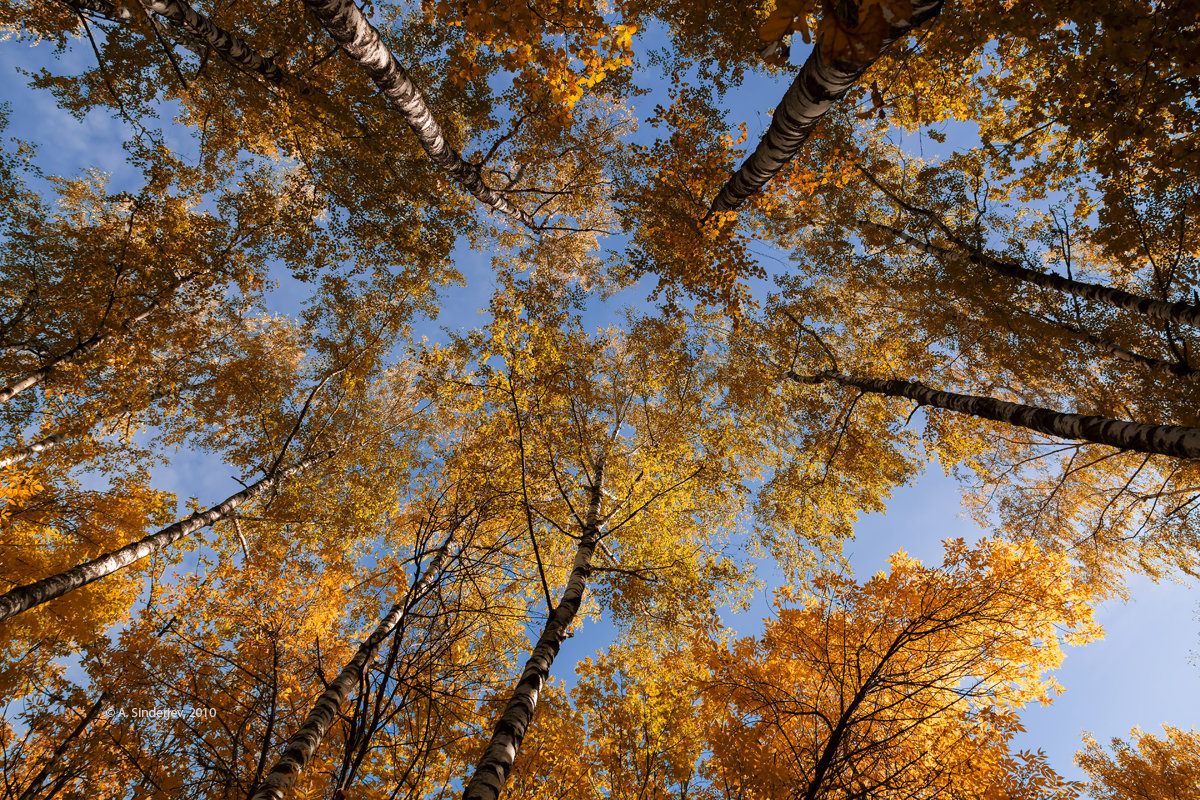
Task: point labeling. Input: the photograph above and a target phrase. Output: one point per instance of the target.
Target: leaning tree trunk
(55, 439)
(346, 24)
(102, 7)
(35, 783)
(836, 742)
(1165, 440)
(31, 379)
(804, 105)
(55, 758)
(493, 768)
(304, 742)
(200, 30)
(87, 346)
(23, 598)
(41, 445)
(1180, 313)
(1176, 368)
(229, 45)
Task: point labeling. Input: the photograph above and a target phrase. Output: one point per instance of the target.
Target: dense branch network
(426, 517)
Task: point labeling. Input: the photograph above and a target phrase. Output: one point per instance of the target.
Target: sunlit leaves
(907, 682)
(1146, 767)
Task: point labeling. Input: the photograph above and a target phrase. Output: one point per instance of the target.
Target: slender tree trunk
(1166, 440)
(347, 25)
(22, 598)
(491, 773)
(814, 91)
(31, 379)
(36, 782)
(269, 735)
(835, 745)
(102, 7)
(55, 758)
(1180, 313)
(1175, 368)
(40, 446)
(201, 33)
(836, 741)
(229, 45)
(304, 742)
(87, 346)
(55, 439)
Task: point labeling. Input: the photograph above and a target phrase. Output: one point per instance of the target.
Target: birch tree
(849, 39)
(602, 455)
(304, 741)
(1030, 289)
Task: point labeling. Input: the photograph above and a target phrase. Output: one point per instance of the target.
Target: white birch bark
(492, 771)
(23, 598)
(55, 439)
(35, 448)
(304, 741)
(229, 45)
(87, 346)
(102, 7)
(198, 32)
(1175, 368)
(1180, 313)
(347, 25)
(814, 91)
(1167, 440)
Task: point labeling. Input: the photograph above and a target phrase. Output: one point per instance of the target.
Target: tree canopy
(850, 238)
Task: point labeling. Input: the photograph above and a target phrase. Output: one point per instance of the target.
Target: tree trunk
(491, 773)
(807, 100)
(229, 45)
(87, 346)
(36, 782)
(837, 737)
(1180, 313)
(196, 32)
(22, 598)
(40, 446)
(304, 742)
(55, 439)
(1166, 440)
(102, 7)
(1175, 368)
(346, 24)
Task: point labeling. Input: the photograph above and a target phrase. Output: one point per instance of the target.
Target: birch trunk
(55, 439)
(102, 7)
(40, 446)
(229, 45)
(347, 25)
(1175, 368)
(1165, 440)
(814, 91)
(31, 379)
(201, 32)
(491, 773)
(304, 741)
(1179, 313)
(23, 598)
(35, 783)
(86, 347)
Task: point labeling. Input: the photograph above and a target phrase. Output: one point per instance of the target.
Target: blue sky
(1143, 673)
